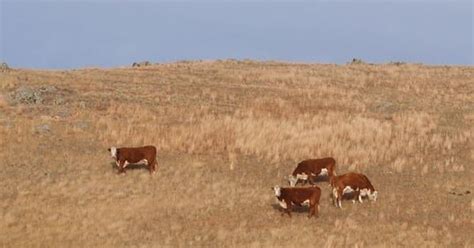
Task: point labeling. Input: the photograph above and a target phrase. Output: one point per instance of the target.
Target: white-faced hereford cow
(352, 182)
(133, 155)
(287, 197)
(307, 170)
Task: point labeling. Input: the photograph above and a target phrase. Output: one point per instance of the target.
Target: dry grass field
(226, 132)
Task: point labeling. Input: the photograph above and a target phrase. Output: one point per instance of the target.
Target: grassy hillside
(226, 132)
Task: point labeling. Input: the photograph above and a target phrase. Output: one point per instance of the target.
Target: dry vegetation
(226, 132)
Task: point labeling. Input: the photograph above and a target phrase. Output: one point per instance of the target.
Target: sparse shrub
(41, 95)
(26, 95)
(397, 63)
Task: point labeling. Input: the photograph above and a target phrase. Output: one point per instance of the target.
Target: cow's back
(149, 150)
(354, 180)
(136, 154)
(300, 195)
(312, 165)
(302, 167)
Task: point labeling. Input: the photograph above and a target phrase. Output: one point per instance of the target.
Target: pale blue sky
(74, 34)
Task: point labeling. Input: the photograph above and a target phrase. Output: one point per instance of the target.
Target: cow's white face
(277, 190)
(113, 152)
(373, 195)
(292, 180)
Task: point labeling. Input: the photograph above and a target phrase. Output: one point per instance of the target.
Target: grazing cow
(352, 182)
(308, 169)
(131, 155)
(298, 196)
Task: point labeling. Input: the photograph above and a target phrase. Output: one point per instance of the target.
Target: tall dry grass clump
(356, 141)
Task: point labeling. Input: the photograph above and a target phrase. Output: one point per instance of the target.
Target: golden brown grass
(226, 132)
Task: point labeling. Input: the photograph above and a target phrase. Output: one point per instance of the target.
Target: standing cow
(307, 170)
(131, 155)
(352, 182)
(287, 197)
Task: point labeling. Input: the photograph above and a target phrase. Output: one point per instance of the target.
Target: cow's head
(113, 152)
(277, 190)
(373, 195)
(292, 180)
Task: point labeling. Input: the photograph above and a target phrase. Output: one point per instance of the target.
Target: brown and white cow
(352, 182)
(133, 155)
(287, 197)
(307, 170)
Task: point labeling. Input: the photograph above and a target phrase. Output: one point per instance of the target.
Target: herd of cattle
(306, 171)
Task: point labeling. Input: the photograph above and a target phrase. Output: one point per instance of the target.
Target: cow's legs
(313, 208)
(356, 196)
(311, 211)
(125, 164)
(289, 207)
(339, 197)
(312, 179)
(155, 165)
(151, 166)
(121, 166)
(334, 196)
(360, 198)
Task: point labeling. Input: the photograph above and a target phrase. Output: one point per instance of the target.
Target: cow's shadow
(319, 179)
(294, 209)
(346, 196)
(316, 181)
(130, 166)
